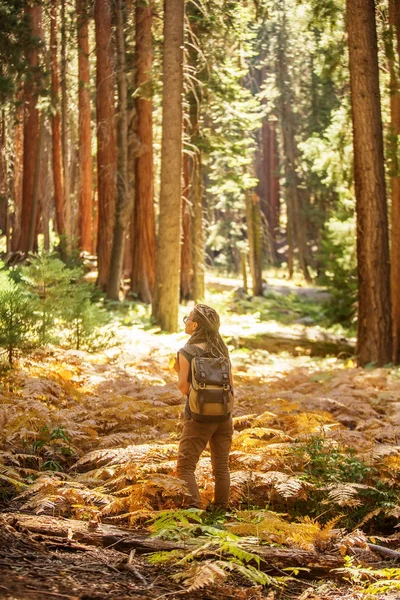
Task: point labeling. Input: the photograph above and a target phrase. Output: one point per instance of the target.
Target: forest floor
(88, 443)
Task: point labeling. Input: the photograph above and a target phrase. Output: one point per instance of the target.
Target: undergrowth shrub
(18, 320)
(344, 482)
(46, 302)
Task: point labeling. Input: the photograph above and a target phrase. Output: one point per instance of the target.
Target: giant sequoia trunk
(31, 127)
(123, 206)
(394, 20)
(55, 123)
(144, 236)
(64, 122)
(106, 139)
(374, 318)
(166, 291)
(85, 146)
(18, 171)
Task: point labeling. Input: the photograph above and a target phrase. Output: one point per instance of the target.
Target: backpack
(210, 394)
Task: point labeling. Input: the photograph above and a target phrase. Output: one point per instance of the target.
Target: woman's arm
(183, 374)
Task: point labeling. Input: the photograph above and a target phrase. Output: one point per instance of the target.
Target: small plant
(49, 280)
(370, 581)
(18, 321)
(52, 447)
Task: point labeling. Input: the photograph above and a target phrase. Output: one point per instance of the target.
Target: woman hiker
(202, 325)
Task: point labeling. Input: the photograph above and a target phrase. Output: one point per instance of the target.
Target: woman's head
(202, 317)
(202, 324)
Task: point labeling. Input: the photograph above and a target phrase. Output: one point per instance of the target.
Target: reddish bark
(85, 146)
(394, 20)
(374, 310)
(18, 170)
(56, 123)
(106, 138)
(31, 127)
(144, 244)
(186, 244)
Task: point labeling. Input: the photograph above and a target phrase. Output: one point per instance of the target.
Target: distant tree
(31, 125)
(166, 292)
(85, 143)
(64, 122)
(55, 122)
(295, 192)
(374, 314)
(144, 235)
(106, 138)
(123, 203)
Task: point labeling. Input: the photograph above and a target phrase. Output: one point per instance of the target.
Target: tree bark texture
(166, 293)
(123, 204)
(64, 123)
(144, 234)
(374, 315)
(254, 234)
(35, 215)
(394, 22)
(186, 242)
(55, 122)
(106, 139)
(196, 194)
(18, 172)
(85, 142)
(270, 147)
(31, 126)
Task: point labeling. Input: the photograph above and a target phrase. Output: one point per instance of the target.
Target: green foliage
(370, 581)
(338, 254)
(53, 447)
(332, 463)
(46, 302)
(49, 280)
(224, 552)
(15, 40)
(18, 321)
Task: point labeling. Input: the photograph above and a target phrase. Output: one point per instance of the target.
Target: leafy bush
(46, 302)
(18, 320)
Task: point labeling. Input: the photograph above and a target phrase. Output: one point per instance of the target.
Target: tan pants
(194, 439)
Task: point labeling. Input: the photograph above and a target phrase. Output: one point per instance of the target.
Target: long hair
(207, 330)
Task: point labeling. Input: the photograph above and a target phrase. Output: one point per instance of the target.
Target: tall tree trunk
(394, 21)
(186, 244)
(166, 291)
(31, 126)
(273, 184)
(64, 123)
(85, 142)
(197, 228)
(33, 224)
(296, 221)
(253, 219)
(123, 205)
(18, 171)
(106, 139)
(55, 125)
(374, 316)
(195, 98)
(144, 234)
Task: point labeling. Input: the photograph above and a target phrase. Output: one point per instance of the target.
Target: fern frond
(200, 575)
